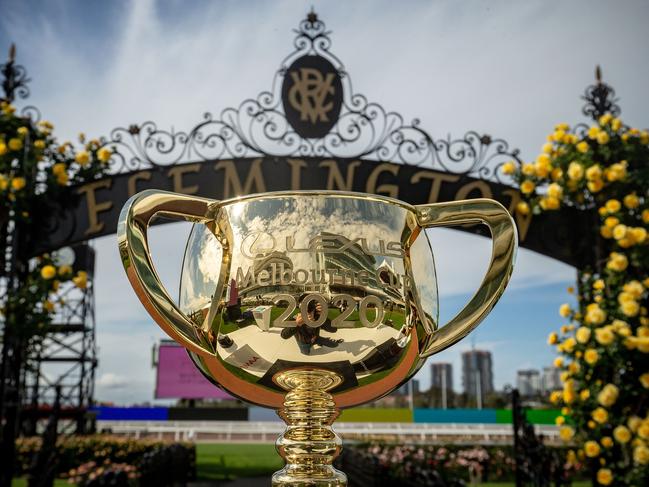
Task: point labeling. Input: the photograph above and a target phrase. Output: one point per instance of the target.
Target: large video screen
(178, 378)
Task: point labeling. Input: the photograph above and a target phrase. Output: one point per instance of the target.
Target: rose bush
(603, 171)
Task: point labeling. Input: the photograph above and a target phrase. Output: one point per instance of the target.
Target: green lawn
(215, 461)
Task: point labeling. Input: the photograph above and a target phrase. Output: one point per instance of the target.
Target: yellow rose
(634, 288)
(641, 455)
(18, 183)
(639, 234)
(559, 420)
(523, 208)
(613, 206)
(643, 429)
(606, 441)
(507, 168)
(15, 144)
(558, 362)
(555, 190)
(644, 380)
(604, 476)
(569, 344)
(48, 272)
(547, 148)
(617, 262)
(81, 280)
(62, 178)
(104, 154)
(48, 306)
(600, 415)
(553, 339)
(630, 308)
(65, 270)
(555, 397)
(606, 232)
(556, 174)
(603, 138)
(645, 216)
(550, 203)
(527, 186)
(631, 201)
(591, 449)
(622, 434)
(582, 147)
(58, 168)
(595, 315)
(39, 144)
(591, 356)
(564, 310)
(619, 232)
(584, 394)
(604, 336)
(82, 158)
(605, 119)
(593, 132)
(575, 171)
(527, 169)
(566, 433)
(595, 186)
(616, 124)
(633, 423)
(608, 395)
(582, 334)
(594, 172)
(599, 285)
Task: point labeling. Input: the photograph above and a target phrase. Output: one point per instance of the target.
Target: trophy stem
(309, 444)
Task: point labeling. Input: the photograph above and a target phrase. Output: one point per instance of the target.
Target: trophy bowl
(308, 302)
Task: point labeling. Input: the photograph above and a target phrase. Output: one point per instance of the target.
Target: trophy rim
(313, 192)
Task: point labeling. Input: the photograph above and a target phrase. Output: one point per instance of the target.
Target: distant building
(528, 382)
(415, 386)
(441, 376)
(551, 379)
(477, 374)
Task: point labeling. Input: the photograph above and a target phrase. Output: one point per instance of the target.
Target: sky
(509, 69)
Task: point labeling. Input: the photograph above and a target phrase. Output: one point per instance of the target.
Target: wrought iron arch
(259, 127)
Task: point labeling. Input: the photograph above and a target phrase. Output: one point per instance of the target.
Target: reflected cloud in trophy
(309, 302)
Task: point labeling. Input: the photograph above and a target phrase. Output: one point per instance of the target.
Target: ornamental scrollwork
(259, 127)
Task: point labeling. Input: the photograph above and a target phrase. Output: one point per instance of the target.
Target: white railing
(268, 431)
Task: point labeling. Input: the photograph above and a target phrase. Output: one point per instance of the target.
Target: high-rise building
(441, 383)
(477, 374)
(528, 382)
(441, 376)
(551, 379)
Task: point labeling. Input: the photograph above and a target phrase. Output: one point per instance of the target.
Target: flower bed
(106, 460)
(431, 465)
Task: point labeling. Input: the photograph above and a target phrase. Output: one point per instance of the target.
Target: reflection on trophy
(308, 302)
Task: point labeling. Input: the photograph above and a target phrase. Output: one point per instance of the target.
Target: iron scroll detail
(354, 127)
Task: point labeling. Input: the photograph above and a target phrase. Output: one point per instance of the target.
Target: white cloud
(111, 381)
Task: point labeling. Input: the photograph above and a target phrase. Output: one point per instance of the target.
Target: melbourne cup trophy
(308, 302)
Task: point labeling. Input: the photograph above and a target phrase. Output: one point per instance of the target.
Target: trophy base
(309, 445)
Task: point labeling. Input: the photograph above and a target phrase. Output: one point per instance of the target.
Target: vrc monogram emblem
(309, 92)
(312, 96)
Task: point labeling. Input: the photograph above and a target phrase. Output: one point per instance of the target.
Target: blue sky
(511, 69)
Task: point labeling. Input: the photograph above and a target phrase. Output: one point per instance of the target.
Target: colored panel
(131, 414)
(504, 416)
(208, 414)
(455, 415)
(178, 378)
(376, 415)
(542, 416)
(262, 414)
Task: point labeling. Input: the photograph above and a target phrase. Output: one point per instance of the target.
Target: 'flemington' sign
(101, 201)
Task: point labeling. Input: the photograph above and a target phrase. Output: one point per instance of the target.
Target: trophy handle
(505, 241)
(134, 251)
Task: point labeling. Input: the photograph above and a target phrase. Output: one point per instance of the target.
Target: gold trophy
(308, 302)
